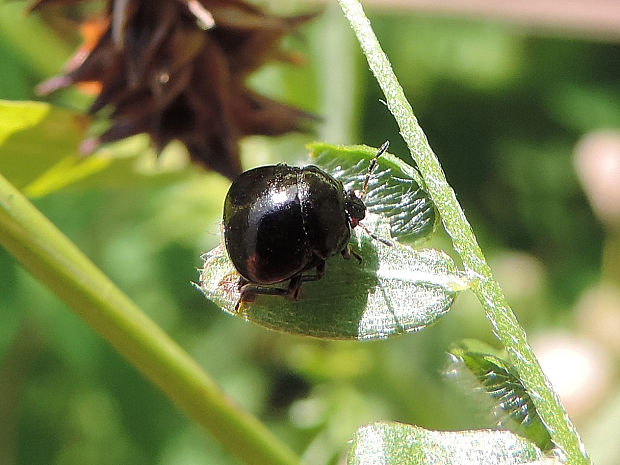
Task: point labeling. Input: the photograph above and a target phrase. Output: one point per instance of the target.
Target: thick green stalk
(486, 288)
(49, 256)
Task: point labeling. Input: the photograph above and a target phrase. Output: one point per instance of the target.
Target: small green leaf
(39, 153)
(395, 190)
(391, 443)
(34, 137)
(394, 290)
(129, 163)
(496, 377)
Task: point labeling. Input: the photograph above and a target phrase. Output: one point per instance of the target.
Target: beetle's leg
(244, 294)
(320, 269)
(348, 251)
(249, 292)
(294, 286)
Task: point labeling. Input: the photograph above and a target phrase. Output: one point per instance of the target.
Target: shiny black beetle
(280, 221)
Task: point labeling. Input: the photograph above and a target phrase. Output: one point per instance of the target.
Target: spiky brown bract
(165, 72)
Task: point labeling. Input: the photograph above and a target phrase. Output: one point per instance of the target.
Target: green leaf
(497, 378)
(395, 189)
(391, 443)
(39, 153)
(128, 163)
(394, 290)
(34, 137)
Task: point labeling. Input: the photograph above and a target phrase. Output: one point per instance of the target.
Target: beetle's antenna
(371, 167)
(383, 241)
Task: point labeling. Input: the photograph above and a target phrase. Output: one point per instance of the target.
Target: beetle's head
(354, 205)
(355, 208)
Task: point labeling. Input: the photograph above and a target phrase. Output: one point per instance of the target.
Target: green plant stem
(486, 288)
(49, 256)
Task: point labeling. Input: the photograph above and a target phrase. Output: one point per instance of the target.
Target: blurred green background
(503, 107)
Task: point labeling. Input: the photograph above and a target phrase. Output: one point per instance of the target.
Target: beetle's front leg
(348, 251)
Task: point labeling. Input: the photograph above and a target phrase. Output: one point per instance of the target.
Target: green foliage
(502, 108)
(486, 288)
(400, 444)
(512, 403)
(36, 138)
(25, 127)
